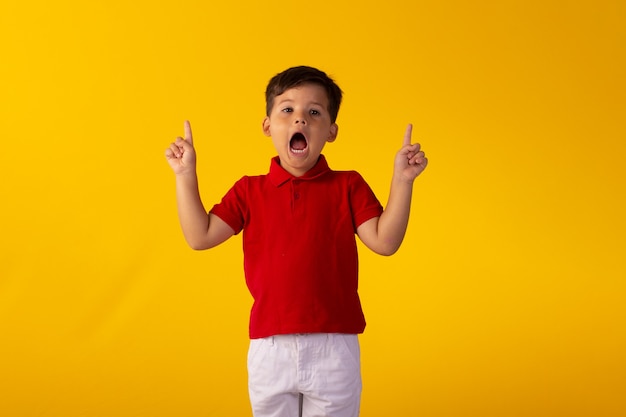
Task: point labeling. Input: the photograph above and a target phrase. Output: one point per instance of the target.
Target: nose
(300, 119)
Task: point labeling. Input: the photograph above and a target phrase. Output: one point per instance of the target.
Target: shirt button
(296, 195)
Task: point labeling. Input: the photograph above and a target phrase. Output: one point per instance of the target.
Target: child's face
(299, 125)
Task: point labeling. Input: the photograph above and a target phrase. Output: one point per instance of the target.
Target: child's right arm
(201, 230)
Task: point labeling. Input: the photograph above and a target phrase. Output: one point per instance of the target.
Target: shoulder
(344, 174)
(248, 180)
(349, 177)
(252, 186)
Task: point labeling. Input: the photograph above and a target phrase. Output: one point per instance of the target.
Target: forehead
(312, 93)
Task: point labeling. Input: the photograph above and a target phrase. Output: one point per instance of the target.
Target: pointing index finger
(407, 135)
(188, 135)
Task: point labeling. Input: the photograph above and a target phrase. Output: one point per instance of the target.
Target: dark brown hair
(301, 75)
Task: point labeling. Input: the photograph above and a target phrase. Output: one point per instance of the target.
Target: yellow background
(508, 296)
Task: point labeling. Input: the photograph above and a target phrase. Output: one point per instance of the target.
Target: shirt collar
(278, 175)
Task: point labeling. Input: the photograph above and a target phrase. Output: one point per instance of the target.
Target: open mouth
(298, 143)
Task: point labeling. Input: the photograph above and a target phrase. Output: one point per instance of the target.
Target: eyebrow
(289, 100)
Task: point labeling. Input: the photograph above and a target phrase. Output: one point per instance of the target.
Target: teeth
(298, 150)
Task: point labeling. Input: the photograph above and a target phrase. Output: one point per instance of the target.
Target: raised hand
(410, 160)
(181, 154)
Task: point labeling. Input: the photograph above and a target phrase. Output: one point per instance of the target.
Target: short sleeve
(233, 207)
(363, 201)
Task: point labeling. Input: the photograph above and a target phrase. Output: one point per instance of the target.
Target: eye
(287, 110)
(315, 112)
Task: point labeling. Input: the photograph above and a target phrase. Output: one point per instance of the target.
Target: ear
(266, 126)
(334, 130)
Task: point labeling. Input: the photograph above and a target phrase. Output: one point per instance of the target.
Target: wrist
(188, 175)
(402, 180)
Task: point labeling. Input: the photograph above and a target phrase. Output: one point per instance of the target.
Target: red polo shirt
(299, 245)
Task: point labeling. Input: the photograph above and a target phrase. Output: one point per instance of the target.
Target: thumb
(188, 134)
(407, 135)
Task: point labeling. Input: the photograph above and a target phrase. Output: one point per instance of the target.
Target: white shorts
(324, 367)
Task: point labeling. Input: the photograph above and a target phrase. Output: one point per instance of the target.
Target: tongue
(298, 143)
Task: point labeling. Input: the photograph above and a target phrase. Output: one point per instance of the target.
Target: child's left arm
(384, 234)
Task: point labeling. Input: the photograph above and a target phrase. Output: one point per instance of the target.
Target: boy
(300, 258)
